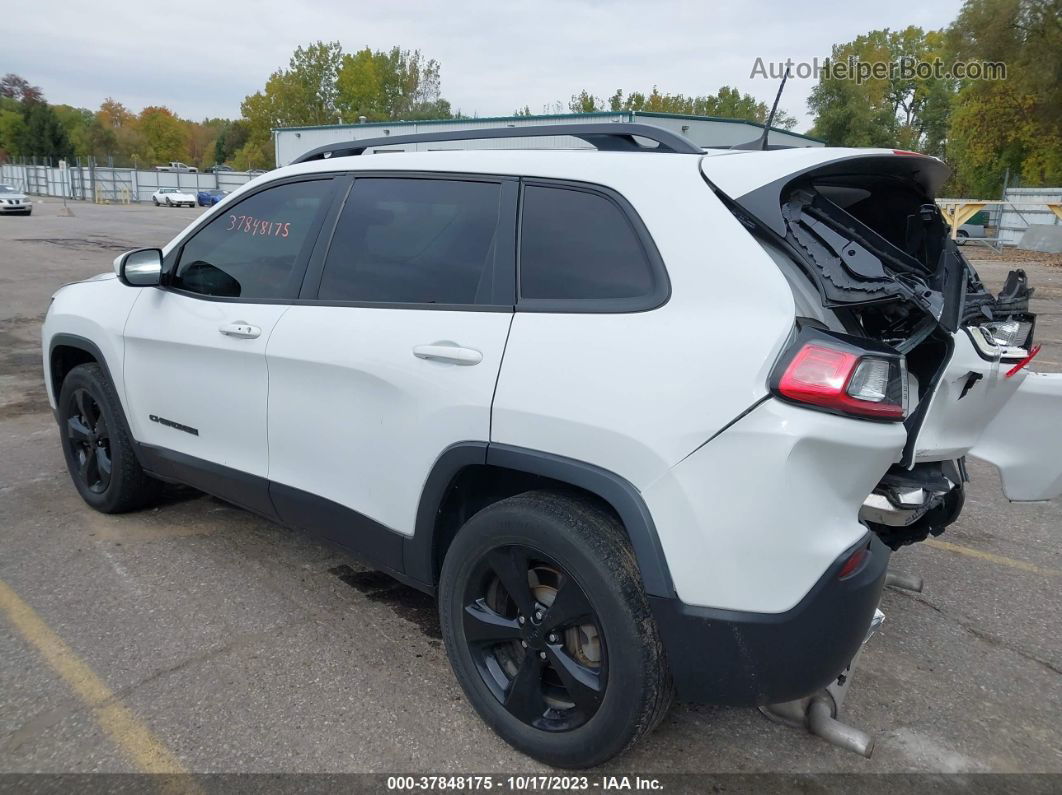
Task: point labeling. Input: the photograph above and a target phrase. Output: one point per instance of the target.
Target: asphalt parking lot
(199, 637)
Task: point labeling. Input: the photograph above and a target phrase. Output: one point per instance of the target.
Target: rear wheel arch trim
(613, 489)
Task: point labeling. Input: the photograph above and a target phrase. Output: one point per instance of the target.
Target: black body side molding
(412, 559)
(716, 656)
(81, 344)
(420, 553)
(613, 489)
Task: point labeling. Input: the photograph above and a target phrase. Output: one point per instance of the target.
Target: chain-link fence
(105, 184)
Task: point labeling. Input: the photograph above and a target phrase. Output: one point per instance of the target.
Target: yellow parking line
(133, 737)
(976, 553)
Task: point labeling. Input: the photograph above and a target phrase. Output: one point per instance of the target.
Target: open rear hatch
(863, 227)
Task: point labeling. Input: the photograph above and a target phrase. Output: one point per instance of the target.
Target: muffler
(818, 712)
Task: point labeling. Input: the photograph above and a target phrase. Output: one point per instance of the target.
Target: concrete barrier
(1042, 237)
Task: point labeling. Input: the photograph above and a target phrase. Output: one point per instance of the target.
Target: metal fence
(112, 185)
(1025, 207)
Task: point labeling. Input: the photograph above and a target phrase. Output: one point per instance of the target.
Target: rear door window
(414, 241)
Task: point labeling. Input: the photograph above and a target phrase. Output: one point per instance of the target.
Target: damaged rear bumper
(751, 659)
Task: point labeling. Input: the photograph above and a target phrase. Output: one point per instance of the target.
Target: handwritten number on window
(258, 227)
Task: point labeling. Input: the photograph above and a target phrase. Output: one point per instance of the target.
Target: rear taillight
(830, 373)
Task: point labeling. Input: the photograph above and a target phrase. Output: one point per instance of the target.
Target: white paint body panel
(95, 309)
(356, 418)
(180, 367)
(1024, 441)
(635, 393)
(752, 519)
(954, 423)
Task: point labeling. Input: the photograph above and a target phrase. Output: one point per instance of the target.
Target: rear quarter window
(583, 249)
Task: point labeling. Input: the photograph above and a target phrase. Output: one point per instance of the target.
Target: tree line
(985, 129)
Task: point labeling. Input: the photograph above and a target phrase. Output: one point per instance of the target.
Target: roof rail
(612, 137)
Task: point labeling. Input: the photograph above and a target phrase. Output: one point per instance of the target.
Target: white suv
(647, 419)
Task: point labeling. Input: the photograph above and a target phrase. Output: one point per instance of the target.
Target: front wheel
(961, 236)
(549, 631)
(156, 201)
(98, 446)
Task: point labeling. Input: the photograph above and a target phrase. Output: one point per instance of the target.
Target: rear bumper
(750, 659)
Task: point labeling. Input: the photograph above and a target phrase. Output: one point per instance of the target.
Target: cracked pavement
(244, 646)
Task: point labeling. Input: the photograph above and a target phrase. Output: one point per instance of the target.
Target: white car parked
(173, 197)
(14, 201)
(648, 421)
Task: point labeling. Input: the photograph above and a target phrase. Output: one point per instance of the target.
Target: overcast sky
(202, 59)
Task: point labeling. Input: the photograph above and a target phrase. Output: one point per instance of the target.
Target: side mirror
(140, 268)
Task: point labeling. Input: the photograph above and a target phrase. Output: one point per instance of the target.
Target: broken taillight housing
(1010, 333)
(843, 375)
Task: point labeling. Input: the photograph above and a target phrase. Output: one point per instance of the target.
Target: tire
(580, 705)
(961, 236)
(169, 203)
(155, 200)
(86, 400)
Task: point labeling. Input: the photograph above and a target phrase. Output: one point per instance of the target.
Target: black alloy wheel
(535, 639)
(89, 440)
(97, 445)
(549, 630)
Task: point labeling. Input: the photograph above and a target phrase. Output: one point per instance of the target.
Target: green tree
(303, 94)
(43, 136)
(585, 102)
(231, 138)
(1014, 123)
(12, 130)
(394, 85)
(164, 136)
(727, 103)
(904, 108)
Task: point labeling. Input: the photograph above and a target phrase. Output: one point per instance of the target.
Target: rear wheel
(155, 200)
(549, 631)
(961, 236)
(98, 446)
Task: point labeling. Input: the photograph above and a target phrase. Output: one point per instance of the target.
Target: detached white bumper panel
(1024, 441)
(752, 520)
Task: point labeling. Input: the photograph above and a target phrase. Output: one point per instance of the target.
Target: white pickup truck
(174, 165)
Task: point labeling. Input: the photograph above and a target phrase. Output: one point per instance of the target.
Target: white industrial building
(703, 131)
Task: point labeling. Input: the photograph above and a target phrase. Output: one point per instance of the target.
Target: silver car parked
(14, 201)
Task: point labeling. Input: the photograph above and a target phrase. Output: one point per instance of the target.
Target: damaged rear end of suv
(864, 246)
(893, 325)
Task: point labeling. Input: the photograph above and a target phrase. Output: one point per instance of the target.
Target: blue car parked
(208, 198)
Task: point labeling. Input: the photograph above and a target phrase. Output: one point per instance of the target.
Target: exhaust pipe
(817, 713)
(822, 724)
(904, 581)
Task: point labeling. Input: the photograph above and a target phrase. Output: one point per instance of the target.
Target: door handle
(241, 330)
(450, 352)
